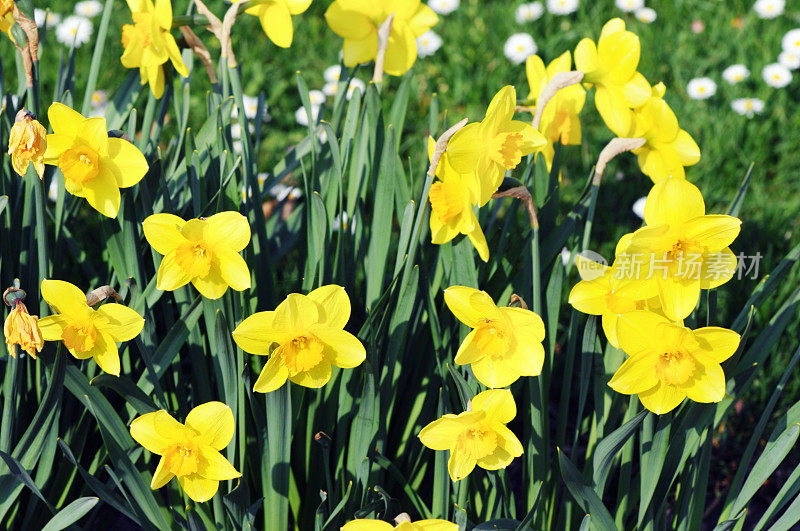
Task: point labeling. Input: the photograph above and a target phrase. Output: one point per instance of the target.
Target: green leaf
(583, 493)
(71, 513)
(608, 448)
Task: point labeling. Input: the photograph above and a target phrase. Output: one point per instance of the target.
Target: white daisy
(332, 73)
(342, 221)
(428, 43)
(330, 88)
(776, 75)
(529, 12)
(735, 73)
(638, 207)
(629, 6)
(99, 97)
(302, 116)
(317, 97)
(443, 7)
(88, 8)
(74, 30)
(355, 83)
(769, 8)
(646, 15)
(791, 41)
(52, 190)
(518, 47)
(562, 7)
(748, 106)
(248, 191)
(42, 18)
(281, 191)
(701, 88)
(250, 108)
(789, 59)
(565, 256)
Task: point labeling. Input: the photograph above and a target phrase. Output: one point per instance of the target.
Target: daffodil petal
(673, 202)
(213, 421)
(171, 275)
(105, 353)
(469, 305)
(121, 323)
(52, 327)
(233, 268)
(102, 193)
(442, 433)
(662, 398)
(63, 297)
(273, 376)
(125, 162)
(163, 232)
(213, 465)
(636, 375)
(198, 488)
(498, 404)
(211, 286)
(315, 377)
(155, 431)
(161, 476)
(343, 348)
(229, 228)
(336, 305)
(460, 465)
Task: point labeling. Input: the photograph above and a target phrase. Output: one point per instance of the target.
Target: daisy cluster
(72, 30)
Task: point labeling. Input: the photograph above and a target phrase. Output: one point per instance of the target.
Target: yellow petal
(297, 6)
(686, 148)
(64, 298)
(707, 384)
(315, 377)
(673, 202)
(297, 312)
(501, 109)
(52, 327)
(256, 333)
(586, 59)
(64, 120)
(199, 488)
(469, 305)
(507, 440)
(536, 73)
(155, 431)
(610, 322)
(614, 25)
(163, 12)
(367, 525)
(102, 193)
(105, 353)
(213, 465)
(715, 232)
(214, 423)
(171, 275)
(678, 296)
(161, 476)
(357, 51)
(125, 162)
(637, 90)
(211, 286)
(424, 18)
(718, 268)
(175, 55)
(276, 22)
(638, 332)
(468, 352)
(229, 228)
(121, 323)
(401, 51)
(528, 356)
(662, 398)
(524, 322)
(498, 404)
(441, 434)
(163, 232)
(350, 23)
(636, 375)
(717, 344)
(478, 239)
(613, 108)
(336, 305)
(93, 132)
(273, 376)
(495, 373)
(460, 465)
(619, 53)
(343, 348)
(465, 148)
(496, 460)
(590, 296)
(155, 76)
(233, 268)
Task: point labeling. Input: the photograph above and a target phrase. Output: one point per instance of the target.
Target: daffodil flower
(86, 332)
(190, 452)
(276, 17)
(380, 525)
(478, 436)
(149, 44)
(357, 21)
(505, 343)
(22, 328)
(303, 337)
(27, 144)
(485, 150)
(202, 251)
(668, 362)
(610, 66)
(680, 251)
(7, 17)
(667, 148)
(94, 166)
(451, 200)
(560, 120)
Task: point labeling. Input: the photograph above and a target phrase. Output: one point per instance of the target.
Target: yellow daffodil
(7, 17)
(560, 120)
(668, 148)
(357, 21)
(595, 294)
(485, 150)
(276, 17)
(190, 452)
(86, 332)
(22, 328)
(451, 200)
(303, 337)
(27, 144)
(680, 251)
(505, 342)
(149, 44)
(478, 436)
(611, 67)
(202, 251)
(419, 525)
(94, 166)
(669, 362)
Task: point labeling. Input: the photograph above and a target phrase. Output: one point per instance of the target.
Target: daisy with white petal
(52, 190)
(629, 6)
(88, 8)
(735, 74)
(74, 30)
(646, 15)
(518, 47)
(330, 88)
(790, 60)
(748, 106)
(99, 98)
(355, 83)
(529, 12)
(332, 73)
(776, 75)
(316, 97)
(45, 18)
(562, 7)
(701, 88)
(428, 43)
(769, 8)
(281, 191)
(302, 116)
(638, 207)
(443, 7)
(791, 41)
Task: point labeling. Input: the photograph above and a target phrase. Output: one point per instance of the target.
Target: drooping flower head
(202, 251)
(669, 362)
(505, 342)
(191, 451)
(94, 166)
(610, 65)
(478, 436)
(680, 251)
(303, 337)
(404, 525)
(27, 144)
(149, 44)
(86, 332)
(560, 120)
(357, 21)
(20, 327)
(452, 197)
(485, 150)
(6, 17)
(276, 17)
(667, 148)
